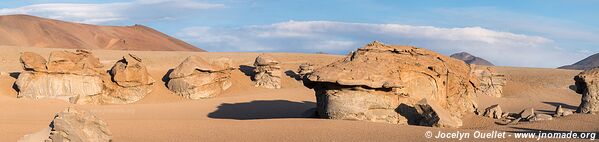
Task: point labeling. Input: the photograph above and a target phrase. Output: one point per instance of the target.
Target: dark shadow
(293, 75)
(410, 113)
(572, 87)
(166, 78)
(247, 70)
(536, 131)
(14, 75)
(566, 106)
(265, 109)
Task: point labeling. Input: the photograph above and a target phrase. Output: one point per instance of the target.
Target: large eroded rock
(384, 83)
(72, 125)
(196, 78)
(587, 84)
(491, 82)
(78, 77)
(268, 72)
(67, 75)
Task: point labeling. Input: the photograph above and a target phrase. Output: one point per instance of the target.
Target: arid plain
(248, 113)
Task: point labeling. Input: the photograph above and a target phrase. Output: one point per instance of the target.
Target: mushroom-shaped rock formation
(383, 83)
(491, 82)
(131, 81)
(196, 78)
(66, 75)
(75, 126)
(268, 72)
(586, 84)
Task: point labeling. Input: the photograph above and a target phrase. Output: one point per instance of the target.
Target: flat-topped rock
(383, 83)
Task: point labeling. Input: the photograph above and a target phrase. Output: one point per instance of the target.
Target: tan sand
(248, 113)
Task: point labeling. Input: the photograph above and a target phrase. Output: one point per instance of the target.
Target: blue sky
(538, 33)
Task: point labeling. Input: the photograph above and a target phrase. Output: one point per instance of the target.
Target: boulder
(383, 83)
(72, 125)
(491, 82)
(268, 72)
(585, 85)
(130, 83)
(196, 78)
(68, 75)
(494, 111)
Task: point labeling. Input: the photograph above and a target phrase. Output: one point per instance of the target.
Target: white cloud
(502, 48)
(97, 13)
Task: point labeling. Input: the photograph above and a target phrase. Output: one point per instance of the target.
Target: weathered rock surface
(305, 69)
(434, 115)
(491, 82)
(541, 117)
(66, 75)
(73, 125)
(196, 78)
(268, 72)
(494, 111)
(131, 81)
(383, 83)
(586, 84)
(78, 77)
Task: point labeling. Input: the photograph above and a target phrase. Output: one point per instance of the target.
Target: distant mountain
(584, 64)
(471, 59)
(31, 31)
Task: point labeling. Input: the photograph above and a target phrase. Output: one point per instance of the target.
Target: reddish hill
(25, 30)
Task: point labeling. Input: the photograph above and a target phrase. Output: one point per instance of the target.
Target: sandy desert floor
(248, 113)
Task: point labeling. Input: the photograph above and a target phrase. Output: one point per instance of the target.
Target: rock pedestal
(268, 72)
(586, 84)
(383, 83)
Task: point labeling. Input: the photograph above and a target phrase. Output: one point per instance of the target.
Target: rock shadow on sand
(247, 70)
(293, 75)
(265, 109)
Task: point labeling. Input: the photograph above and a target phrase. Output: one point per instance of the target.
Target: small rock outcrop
(268, 72)
(78, 77)
(494, 111)
(72, 125)
(305, 69)
(384, 83)
(196, 78)
(491, 82)
(586, 84)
